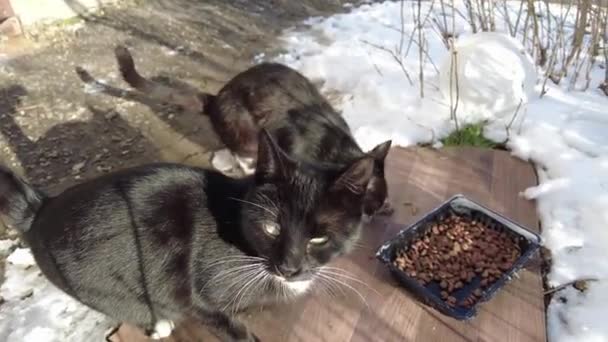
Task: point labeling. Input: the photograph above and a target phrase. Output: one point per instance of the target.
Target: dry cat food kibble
(455, 250)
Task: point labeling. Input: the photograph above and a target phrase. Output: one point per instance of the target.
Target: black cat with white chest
(166, 241)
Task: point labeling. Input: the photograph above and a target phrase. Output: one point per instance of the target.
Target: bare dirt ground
(56, 131)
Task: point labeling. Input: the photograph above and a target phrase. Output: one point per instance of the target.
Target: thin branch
(454, 77)
(402, 31)
(469, 6)
(420, 49)
(395, 56)
(428, 56)
(568, 284)
(508, 127)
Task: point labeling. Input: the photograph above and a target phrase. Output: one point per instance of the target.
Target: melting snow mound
(494, 72)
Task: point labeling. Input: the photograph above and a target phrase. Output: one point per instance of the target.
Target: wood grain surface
(419, 180)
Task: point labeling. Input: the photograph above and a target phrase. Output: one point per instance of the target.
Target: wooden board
(419, 180)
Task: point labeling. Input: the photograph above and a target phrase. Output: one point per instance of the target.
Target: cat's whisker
(360, 245)
(233, 259)
(239, 257)
(249, 285)
(273, 213)
(233, 272)
(229, 263)
(323, 286)
(236, 281)
(243, 290)
(338, 281)
(269, 201)
(333, 287)
(350, 276)
(283, 288)
(351, 186)
(228, 272)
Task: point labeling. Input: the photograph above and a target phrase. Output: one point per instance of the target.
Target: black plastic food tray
(429, 294)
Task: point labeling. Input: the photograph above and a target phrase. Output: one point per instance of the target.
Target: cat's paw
(246, 164)
(111, 331)
(252, 338)
(223, 160)
(366, 219)
(246, 336)
(162, 329)
(386, 209)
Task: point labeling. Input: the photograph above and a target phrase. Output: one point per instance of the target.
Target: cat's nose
(290, 271)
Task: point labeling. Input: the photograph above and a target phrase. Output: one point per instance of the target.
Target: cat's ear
(355, 179)
(380, 151)
(272, 162)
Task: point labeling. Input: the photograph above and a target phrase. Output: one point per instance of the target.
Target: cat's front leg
(225, 327)
(386, 209)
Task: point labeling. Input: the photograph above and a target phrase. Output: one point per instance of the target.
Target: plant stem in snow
(420, 49)
(402, 33)
(492, 15)
(582, 11)
(508, 127)
(470, 11)
(518, 20)
(536, 45)
(395, 56)
(595, 40)
(604, 85)
(508, 19)
(454, 75)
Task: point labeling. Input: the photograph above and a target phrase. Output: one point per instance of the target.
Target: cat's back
(107, 204)
(270, 87)
(273, 73)
(98, 239)
(310, 135)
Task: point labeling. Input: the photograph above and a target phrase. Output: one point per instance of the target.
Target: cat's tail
(192, 101)
(19, 202)
(129, 73)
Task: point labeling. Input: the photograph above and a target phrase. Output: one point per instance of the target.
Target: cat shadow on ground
(194, 126)
(70, 152)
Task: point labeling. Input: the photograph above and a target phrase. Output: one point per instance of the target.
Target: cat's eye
(271, 229)
(319, 240)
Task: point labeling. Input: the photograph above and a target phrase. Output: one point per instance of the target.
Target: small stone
(77, 168)
(27, 294)
(11, 27)
(581, 285)
(111, 115)
(104, 168)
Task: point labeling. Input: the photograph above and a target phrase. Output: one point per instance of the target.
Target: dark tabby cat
(281, 100)
(163, 241)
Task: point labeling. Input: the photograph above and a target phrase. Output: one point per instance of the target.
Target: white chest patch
(298, 287)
